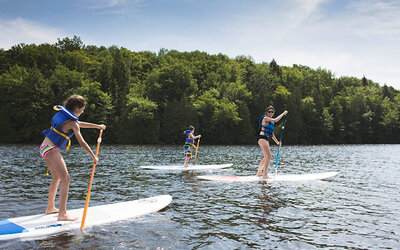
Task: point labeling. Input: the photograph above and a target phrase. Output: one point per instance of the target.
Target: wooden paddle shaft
(195, 155)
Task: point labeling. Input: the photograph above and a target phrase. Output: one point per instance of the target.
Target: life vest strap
(66, 112)
(64, 135)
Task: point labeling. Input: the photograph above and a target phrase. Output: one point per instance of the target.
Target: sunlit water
(358, 209)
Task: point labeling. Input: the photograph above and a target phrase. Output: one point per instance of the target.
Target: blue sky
(348, 37)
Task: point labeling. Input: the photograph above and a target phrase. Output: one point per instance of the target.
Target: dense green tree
(176, 118)
(62, 80)
(120, 81)
(205, 106)
(262, 85)
(98, 108)
(243, 131)
(281, 96)
(336, 109)
(104, 74)
(24, 102)
(68, 44)
(148, 97)
(170, 83)
(311, 118)
(139, 123)
(75, 60)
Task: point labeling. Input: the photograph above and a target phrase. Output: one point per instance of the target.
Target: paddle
(279, 148)
(90, 183)
(195, 155)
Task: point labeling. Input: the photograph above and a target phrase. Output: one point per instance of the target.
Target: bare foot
(51, 210)
(66, 217)
(266, 177)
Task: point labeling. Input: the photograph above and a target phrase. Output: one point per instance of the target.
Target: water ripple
(356, 209)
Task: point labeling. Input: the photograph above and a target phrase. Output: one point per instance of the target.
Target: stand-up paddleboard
(283, 177)
(35, 226)
(191, 167)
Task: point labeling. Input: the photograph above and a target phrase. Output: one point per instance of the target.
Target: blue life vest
(55, 133)
(187, 140)
(268, 129)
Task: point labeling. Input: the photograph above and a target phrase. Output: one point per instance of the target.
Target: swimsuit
(187, 150)
(263, 137)
(45, 149)
(266, 129)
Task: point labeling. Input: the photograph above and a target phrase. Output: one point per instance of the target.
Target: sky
(348, 37)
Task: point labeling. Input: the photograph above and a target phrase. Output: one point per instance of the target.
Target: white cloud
(355, 38)
(113, 6)
(303, 9)
(371, 18)
(100, 4)
(25, 31)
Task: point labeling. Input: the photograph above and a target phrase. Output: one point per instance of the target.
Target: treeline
(147, 97)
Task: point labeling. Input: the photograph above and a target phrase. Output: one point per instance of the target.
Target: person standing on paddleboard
(64, 124)
(189, 143)
(266, 128)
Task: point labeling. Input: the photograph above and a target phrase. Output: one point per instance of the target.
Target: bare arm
(275, 139)
(191, 136)
(194, 138)
(277, 119)
(76, 128)
(91, 125)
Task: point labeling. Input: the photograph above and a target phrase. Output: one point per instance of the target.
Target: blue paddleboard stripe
(8, 227)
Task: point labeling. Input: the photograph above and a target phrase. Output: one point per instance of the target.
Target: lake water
(358, 209)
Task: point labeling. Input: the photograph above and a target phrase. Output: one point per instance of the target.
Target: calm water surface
(357, 209)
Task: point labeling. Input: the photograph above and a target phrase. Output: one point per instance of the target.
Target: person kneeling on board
(64, 124)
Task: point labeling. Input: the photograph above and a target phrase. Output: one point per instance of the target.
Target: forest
(149, 97)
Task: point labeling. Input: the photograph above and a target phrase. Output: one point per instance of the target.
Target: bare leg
(261, 167)
(186, 164)
(264, 164)
(52, 190)
(59, 169)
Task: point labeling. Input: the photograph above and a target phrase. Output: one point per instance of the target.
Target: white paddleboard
(283, 177)
(40, 225)
(191, 167)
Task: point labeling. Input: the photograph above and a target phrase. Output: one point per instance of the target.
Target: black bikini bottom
(263, 137)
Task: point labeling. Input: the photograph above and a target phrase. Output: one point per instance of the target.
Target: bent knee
(65, 178)
(267, 155)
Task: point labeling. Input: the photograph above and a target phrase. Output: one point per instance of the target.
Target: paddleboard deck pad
(191, 167)
(37, 226)
(283, 177)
